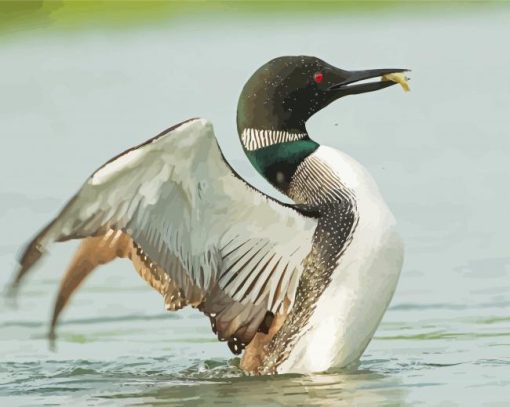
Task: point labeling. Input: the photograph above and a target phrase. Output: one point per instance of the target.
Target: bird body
(297, 287)
(362, 285)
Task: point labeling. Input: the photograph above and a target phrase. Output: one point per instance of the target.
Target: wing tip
(29, 257)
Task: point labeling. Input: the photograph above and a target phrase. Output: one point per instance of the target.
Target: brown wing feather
(99, 250)
(257, 349)
(232, 321)
(92, 252)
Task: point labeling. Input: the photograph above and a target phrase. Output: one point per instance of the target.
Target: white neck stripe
(254, 139)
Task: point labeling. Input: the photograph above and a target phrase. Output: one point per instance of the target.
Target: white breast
(350, 309)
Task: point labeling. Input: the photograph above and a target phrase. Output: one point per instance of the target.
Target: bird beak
(349, 85)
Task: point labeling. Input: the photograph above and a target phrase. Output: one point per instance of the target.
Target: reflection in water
(148, 381)
(328, 389)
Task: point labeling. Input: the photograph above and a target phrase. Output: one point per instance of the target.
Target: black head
(285, 92)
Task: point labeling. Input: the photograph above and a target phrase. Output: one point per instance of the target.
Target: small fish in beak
(397, 77)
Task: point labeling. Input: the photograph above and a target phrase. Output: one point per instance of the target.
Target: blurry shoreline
(18, 17)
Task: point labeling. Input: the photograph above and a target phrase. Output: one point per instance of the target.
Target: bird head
(286, 91)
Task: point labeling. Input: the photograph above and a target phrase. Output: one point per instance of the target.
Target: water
(72, 100)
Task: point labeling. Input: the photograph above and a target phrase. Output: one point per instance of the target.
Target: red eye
(318, 77)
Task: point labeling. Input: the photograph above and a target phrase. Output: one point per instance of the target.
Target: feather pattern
(192, 218)
(253, 139)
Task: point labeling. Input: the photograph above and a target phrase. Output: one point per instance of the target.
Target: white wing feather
(177, 198)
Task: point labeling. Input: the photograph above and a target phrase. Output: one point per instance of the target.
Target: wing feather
(194, 219)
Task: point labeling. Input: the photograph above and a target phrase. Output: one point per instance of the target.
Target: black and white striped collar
(253, 139)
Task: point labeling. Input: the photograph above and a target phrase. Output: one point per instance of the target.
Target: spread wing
(227, 248)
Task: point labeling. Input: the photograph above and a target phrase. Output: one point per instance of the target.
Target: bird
(297, 287)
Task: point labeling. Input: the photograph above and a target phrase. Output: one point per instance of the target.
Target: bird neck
(276, 154)
(273, 135)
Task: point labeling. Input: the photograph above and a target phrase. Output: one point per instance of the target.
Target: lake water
(71, 100)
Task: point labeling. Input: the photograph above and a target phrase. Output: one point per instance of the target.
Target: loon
(295, 288)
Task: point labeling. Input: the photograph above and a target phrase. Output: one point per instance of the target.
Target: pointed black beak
(350, 86)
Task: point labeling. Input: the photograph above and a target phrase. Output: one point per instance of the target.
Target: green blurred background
(75, 14)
